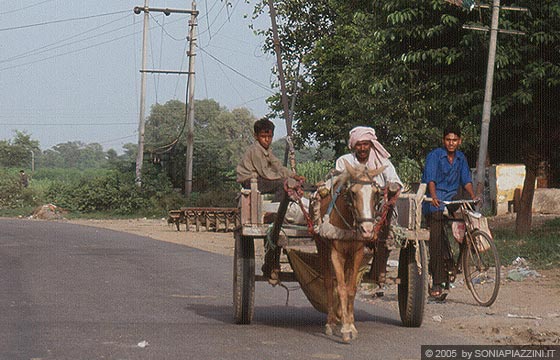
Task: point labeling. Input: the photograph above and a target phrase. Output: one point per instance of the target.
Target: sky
(69, 70)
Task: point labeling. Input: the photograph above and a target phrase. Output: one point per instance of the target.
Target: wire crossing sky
(69, 71)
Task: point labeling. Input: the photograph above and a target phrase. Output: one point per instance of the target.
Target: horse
(348, 220)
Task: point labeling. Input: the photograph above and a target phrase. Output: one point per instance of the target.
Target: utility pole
(140, 155)
(486, 108)
(190, 105)
(32, 161)
(485, 127)
(167, 11)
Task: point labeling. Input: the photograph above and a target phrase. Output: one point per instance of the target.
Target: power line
(166, 32)
(224, 23)
(117, 139)
(264, 87)
(25, 7)
(45, 48)
(226, 3)
(67, 124)
(62, 21)
(70, 52)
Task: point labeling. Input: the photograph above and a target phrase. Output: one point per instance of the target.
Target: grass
(541, 247)
(18, 212)
(99, 215)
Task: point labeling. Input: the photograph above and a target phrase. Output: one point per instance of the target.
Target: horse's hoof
(346, 337)
(328, 330)
(354, 331)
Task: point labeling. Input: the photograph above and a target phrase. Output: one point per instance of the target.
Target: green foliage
(408, 69)
(541, 247)
(314, 171)
(17, 152)
(214, 198)
(220, 138)
(409, 171)
(112, 191)
(74, 154)
(12, 194)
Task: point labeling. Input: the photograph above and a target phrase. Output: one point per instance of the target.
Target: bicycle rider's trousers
(438, 246)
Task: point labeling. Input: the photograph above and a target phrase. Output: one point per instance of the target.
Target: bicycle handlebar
(450, 202)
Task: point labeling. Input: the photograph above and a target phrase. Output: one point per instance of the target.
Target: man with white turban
(367, 150)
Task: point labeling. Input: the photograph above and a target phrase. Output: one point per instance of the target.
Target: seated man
(259, 162)
(445, 171)
(365, 149)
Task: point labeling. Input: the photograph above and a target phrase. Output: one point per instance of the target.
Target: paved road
(77, 292)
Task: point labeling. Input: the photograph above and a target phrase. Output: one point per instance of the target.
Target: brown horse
(348, 220)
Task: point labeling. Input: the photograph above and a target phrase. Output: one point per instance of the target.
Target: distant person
(23, 180)
(259, 162)
(445, 172)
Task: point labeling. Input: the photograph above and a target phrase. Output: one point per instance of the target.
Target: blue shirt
(447, 177)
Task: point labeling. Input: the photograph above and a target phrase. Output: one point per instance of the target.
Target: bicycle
(478, 257)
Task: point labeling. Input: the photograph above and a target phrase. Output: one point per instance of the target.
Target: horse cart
(412, 277)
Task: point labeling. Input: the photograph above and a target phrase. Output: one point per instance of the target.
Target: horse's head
(363, 195)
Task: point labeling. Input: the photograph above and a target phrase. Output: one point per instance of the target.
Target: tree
(17, 152)
(397, 66)
(408, 68)
(221, 136)
(526, 124)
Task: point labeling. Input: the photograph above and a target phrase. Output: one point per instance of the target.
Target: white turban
(377, 153)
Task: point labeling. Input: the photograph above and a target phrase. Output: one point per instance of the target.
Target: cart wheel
(413, 284)
(243, 279)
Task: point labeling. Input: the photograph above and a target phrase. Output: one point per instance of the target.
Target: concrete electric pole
(487, 105)
(140, 155)
(143, 71)
(190, 105)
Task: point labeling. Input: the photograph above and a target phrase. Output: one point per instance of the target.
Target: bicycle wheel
(481, 268)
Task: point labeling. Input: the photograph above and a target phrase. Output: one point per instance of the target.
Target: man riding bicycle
(445, 172)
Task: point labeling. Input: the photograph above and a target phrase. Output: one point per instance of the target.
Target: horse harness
(348, 198)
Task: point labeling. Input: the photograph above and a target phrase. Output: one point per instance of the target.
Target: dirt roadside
(526, 312)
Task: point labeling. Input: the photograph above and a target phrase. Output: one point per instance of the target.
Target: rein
(295, 193)
(387, 206)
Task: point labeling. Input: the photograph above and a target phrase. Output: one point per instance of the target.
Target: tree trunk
(524, 213)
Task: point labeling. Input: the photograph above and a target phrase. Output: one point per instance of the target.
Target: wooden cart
(412, 271)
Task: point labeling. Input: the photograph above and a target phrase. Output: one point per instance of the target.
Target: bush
(13, 195)
(105, 192)
(314, 171)
(216, 198)
(112, 191)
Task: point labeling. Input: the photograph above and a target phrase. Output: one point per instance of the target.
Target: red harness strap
(295, 193)
(385, 211)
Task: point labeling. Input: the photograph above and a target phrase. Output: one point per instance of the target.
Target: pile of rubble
(49, 212)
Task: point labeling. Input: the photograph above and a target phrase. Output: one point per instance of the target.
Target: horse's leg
(338, 261)
(352, 285)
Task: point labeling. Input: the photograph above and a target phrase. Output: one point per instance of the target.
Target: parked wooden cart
(412, 271)
(205, 218)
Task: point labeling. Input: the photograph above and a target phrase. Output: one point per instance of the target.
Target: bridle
(349, 195)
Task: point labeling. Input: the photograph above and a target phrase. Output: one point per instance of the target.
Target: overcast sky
(69, 70)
